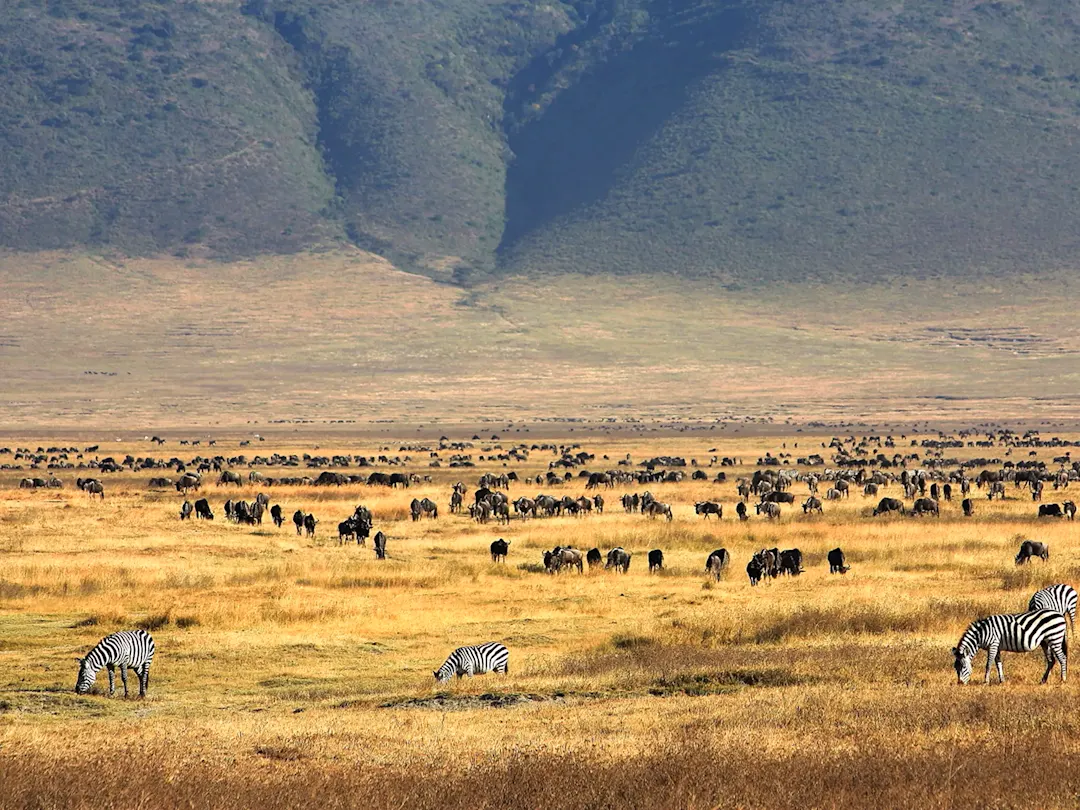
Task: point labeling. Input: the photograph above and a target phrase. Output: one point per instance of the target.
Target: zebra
(128, 648)
(489, 657)
(1020, 632)
(1058, 598)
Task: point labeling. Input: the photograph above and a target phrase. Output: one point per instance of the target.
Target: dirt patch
(462, 702)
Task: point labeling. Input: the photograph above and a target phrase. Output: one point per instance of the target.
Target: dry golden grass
(292, 673)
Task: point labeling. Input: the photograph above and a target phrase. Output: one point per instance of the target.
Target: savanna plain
(295, 672)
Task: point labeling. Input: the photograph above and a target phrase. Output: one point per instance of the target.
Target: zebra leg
(991, 653)
(144, 680)
(112, 683)
(1050, 653)
(1000, 669)
(123, 678)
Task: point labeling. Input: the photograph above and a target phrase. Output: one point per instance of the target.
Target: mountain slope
(743, 141)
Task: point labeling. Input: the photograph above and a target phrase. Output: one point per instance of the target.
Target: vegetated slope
(746, 140)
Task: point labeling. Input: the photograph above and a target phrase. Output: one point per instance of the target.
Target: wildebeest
(837, 563)
(968, 506)
(769, 559)
(1050, 510)
(656, 560)
(707, 508)
(996, 488)
(870, 489)
(946, 491)
(925, 506)
(769, 509)
(379, 541)
(594, 558)
(886, 505)
(656, 508)
(160, 483)
(242, 513)
(276, 516)
(399, 479)
(309, 525)
(202, 509)
(618, 559)
(188, 481)
(93, 487)
(456, 500)
(717, 562)
(1069, 508)
(777, 496)
(832, 494)
(791, 562)
(346, 530)
(740, 510)
(566, 557)
(754, 570)
(598, 504)
(1031, 548)
(185, 510)
(298, 521)
(812, 504)
(228, 477)
(498, 550)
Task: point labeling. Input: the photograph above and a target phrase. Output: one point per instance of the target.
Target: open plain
(296, 672)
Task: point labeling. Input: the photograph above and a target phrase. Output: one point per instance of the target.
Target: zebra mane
(968, 644)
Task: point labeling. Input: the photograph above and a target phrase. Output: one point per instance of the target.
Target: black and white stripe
(489, 657)
(1020, 632)
(128, 648)
(1058, 598)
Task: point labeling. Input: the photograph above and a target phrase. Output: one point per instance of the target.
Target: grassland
(105, 340)
(293, 672)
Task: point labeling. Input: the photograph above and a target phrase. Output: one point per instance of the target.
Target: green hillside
(743, 141)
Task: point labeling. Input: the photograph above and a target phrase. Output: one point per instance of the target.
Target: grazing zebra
(489, 657)
(1058, 598)
(128, 648)
(1020, 632)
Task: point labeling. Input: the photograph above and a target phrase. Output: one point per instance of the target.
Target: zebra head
(87, 676)
(444, 674)
(962, 664)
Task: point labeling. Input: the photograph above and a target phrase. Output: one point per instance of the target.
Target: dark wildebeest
(886, 505)
(298, 521)
(242, 512)
(498, 550)
(618, 559)
(228, 477)
(594, 558)
(346, 530)
(870, 489)
(754, 570)
(791, 562)
(770, 509)
(707, 508)
(740, 510)
(414, 509)
(717, 562)
(188, 481)
(769, 558)
(309, 525)
(567, 557)
(812, 504)
(656, 508)
(275, 514)
(379, 542)
(94, 487)
(399, 479)
(1029, 549)
(656, 560)
(996, 488)
(925, 506)
(946, 490)
(202, 509)
(778, 496)
(968, 506)
(598, 504)
(837, 563)
(258, 509)
(935, 492)
(264, 499)
(186, 510)
(230, 509)
(1050, 510)
(1069, 508)
(455, 502)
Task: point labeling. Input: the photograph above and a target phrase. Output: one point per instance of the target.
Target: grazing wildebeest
(842, 487)
(925, 506)
(498, 550)
(276, 516)
(185, 510)
(707, 508)
(188, 481)
(1031, 548)
(886, 505)
(228, 477)
(309, 525)
(93, 487)
(399, 479)
(946, 491)
(837, 563)
(1036, 490)
(656, 560)
(594, 557)
(812, 504)
(242, 512)
(935, 492)
(298, 521)
(778, 496)
(771, 510)
(769, 558)
(257, 511)
(618, 559)
(755, 570)
(264, 499)
(230, 509)
(656, 508)
(740, 510)
(1050, 510)
(1069, 508)
(346, 530)
(628, 503)
(567, 557)
(379, 542)
(832, 494)
(996, 488)
(870, 489)
(717, 562)
(202, 509)
(968, 506)
(791, 562)
(414, 509)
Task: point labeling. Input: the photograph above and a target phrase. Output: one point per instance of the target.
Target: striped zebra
(1019, 632)
(128, 648)
(1058, 598)
(489, 657)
